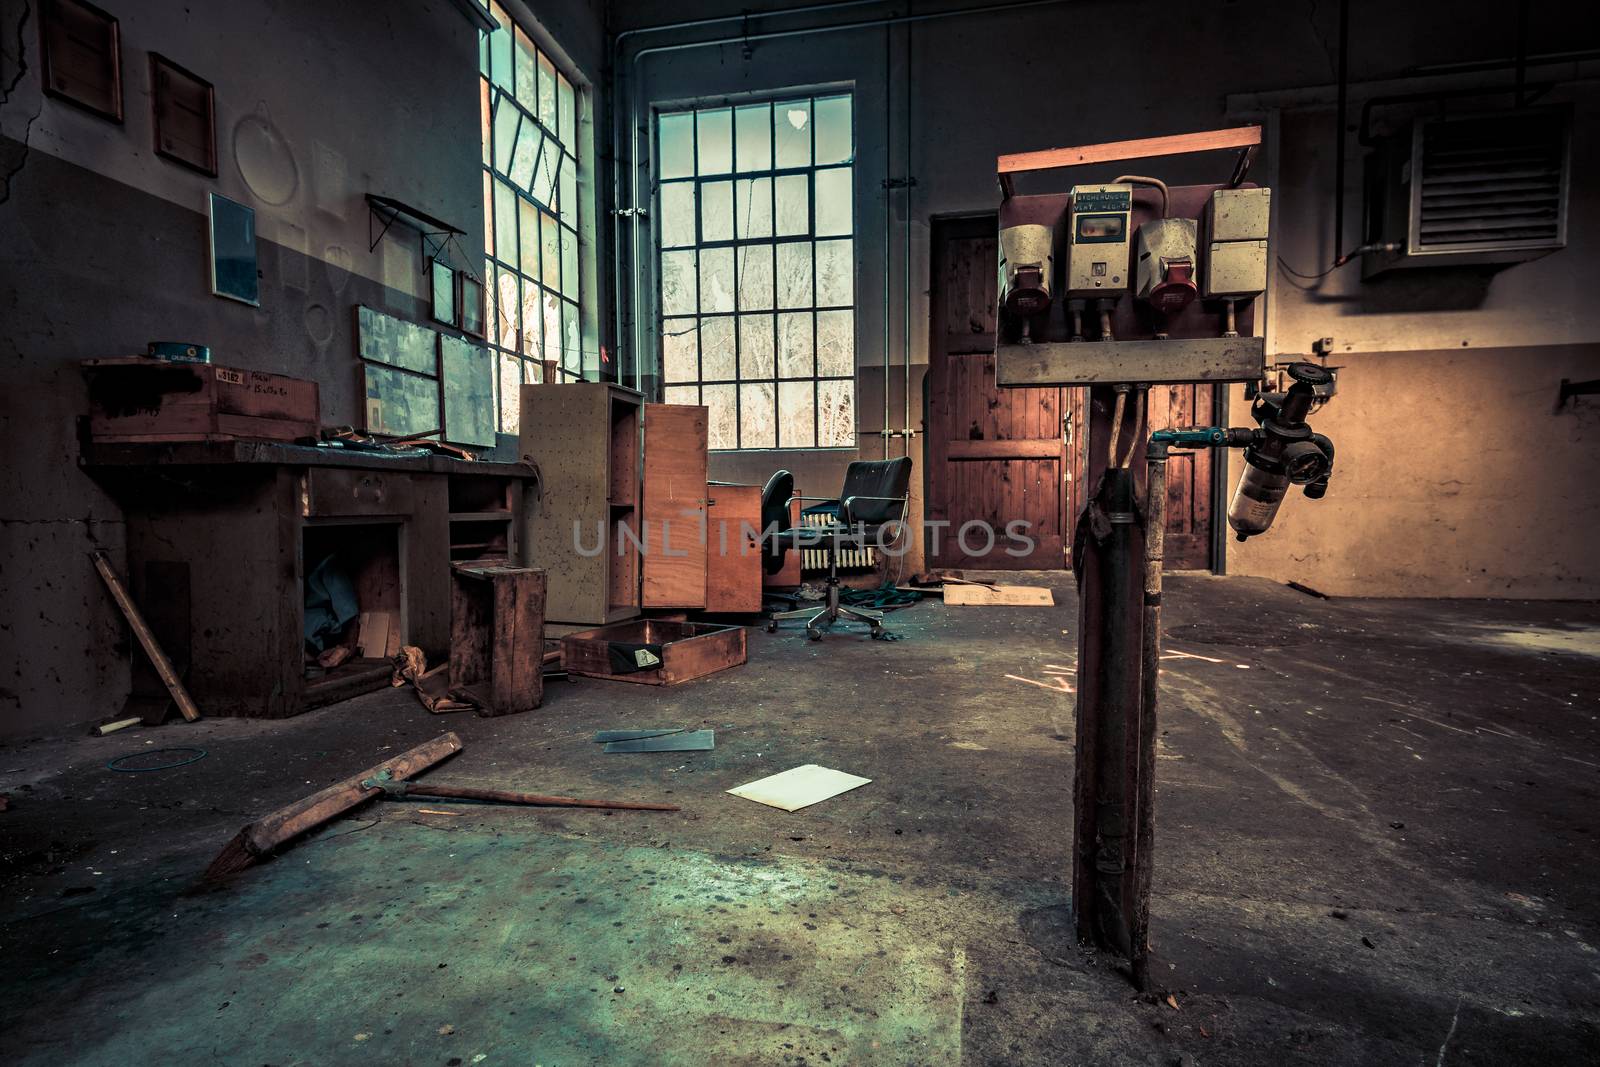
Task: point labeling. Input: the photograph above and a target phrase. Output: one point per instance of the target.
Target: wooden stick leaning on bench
(147, 639)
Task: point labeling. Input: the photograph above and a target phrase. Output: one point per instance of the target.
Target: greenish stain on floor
(403, 943)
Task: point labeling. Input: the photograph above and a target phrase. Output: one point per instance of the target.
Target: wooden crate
(137, 399)
(497, 637)
(688, 650)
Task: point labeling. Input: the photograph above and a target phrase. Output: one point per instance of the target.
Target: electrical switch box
(1235, 269)
(1236, 229)
(1164, 259)
(1097, 243)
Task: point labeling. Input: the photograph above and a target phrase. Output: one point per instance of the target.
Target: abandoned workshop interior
(990, 533)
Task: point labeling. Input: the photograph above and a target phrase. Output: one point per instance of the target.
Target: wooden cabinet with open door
(674, 491)
(701, 547)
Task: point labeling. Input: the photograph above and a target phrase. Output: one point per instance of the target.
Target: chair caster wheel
(815, 635)
(772, 626)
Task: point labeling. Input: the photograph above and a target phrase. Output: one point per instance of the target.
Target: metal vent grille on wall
(1480, 190)
(1491, 182)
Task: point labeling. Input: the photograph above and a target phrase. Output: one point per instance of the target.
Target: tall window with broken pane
(530, 214)
(757, 269)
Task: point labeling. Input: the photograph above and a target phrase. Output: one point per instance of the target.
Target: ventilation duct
(1471, 191)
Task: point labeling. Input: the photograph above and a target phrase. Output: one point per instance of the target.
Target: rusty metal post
(1155, 537)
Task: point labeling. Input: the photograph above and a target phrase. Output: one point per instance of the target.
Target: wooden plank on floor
(1017, 596)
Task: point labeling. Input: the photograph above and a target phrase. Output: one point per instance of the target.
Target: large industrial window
(530, 214)
(755, 216)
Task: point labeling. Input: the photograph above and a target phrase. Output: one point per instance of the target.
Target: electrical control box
(1236, 224)
(1097, 241)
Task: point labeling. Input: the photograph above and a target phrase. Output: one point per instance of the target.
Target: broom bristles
(235, 856)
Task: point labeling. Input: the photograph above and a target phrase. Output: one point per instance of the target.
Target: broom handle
(505, 796)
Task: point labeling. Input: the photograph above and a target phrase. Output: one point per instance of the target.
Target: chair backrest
(775, 496)
(866, 479)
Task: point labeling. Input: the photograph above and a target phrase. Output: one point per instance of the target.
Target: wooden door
(733, 556)
(674, 491)
(1189, 475)
(994, 455)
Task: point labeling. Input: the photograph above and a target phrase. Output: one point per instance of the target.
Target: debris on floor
(115, 725)
(602, 736)
(256, 841)
(799, 787)
(432, 687)
(694, 741)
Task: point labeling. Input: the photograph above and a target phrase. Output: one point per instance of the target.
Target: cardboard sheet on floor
(694, 741)
(602, 736)
(799, 787)
(1016, 596)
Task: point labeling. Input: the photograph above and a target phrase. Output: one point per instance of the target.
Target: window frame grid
(529, 364)
(697, 180)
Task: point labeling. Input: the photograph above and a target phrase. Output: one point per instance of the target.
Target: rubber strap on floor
(884, 598)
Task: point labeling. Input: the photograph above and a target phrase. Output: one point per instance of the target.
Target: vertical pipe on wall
(905, 264)
(1338, 130)
(888, 214)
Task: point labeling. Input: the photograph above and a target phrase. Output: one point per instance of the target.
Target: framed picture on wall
(471, 301)
(233, 251)
(80, 56)
(184, 107)
(444, 292)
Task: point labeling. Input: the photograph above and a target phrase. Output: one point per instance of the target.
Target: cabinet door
(733, 555)
(674, 494)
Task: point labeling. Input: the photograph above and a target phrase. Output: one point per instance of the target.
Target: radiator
(851, 560)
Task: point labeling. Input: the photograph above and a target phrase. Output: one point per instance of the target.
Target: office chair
(876, 494)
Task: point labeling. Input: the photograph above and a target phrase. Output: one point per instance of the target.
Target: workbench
(220, 535)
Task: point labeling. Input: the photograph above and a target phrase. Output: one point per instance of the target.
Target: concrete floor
(1376, 845)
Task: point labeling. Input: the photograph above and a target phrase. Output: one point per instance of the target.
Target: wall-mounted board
(233, 251)
(399, 404)
(467, 376)
(386, 339)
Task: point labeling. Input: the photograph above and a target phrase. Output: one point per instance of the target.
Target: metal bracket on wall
(390, 211)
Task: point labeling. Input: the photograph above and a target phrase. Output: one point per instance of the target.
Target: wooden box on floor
(497, 637)
(688, 650)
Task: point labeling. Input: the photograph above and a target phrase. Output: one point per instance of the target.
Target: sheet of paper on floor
(799, 787)
(1018, 596)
